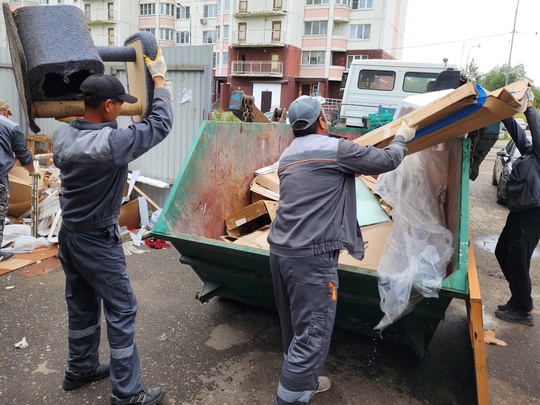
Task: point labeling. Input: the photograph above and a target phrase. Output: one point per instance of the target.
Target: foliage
(495, 78)
(218, 115)
(472, 73)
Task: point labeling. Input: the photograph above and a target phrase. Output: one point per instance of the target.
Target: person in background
(92, 154)
(12, 145)
(316, 219)
(521, 232)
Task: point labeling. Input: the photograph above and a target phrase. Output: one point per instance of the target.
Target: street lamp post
(507, 75)
(188, 13)
(468, 53)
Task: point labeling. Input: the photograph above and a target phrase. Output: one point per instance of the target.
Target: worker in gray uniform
(316, 219)
(92, 154)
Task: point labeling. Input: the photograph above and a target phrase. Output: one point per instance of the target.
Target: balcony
(100, 16)
(259, 8)
(261, 68)
(258, 38)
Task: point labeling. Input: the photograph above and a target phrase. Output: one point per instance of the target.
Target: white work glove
(406, 131)
(36, 172)
(529, 95)
(156, 67)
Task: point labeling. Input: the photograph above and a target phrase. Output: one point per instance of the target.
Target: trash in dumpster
(251, 218)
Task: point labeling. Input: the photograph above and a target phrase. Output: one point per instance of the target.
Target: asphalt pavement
(225, 353)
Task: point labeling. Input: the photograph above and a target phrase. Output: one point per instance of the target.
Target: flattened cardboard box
(251, 218)
(20, 194)
(464, 110)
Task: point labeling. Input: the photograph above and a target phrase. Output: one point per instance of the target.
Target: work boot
(5, 256)
(74, 380)
(324, 384)
(515, 316)
(151, 397)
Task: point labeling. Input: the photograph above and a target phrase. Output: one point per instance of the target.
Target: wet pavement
(225, 353)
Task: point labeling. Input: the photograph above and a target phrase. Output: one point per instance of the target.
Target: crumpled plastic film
(419, 247)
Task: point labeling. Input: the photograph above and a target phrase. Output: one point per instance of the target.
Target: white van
(377, 86)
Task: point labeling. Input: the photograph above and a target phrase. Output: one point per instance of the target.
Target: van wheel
(500, 199)
(493, 178)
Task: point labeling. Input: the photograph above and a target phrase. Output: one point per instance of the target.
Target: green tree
(495, 78)
(472, 73)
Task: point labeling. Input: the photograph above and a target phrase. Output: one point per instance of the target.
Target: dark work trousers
(514, 250)
(306, 296)
(95, 268)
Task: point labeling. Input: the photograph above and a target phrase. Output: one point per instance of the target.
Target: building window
(313, 57)
(350, 58)
(110, 36)
(226, 32)
(43, 1)
(215, 59)
(110, 11)
(225, 61)
(362, 4)
(150, 30)
(227, 5)
(343, 2)
(314, 2)
(183, 13)
(315, 27)
(87, 12)
(166, 9)
(147, 9)
(210, 10)
(361, 31)
(166, 34)
(209, 37)
(182, 37)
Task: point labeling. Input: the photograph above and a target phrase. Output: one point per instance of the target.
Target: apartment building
(109, 22)
(277, 50)
(274, 50)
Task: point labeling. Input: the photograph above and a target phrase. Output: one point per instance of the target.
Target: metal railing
(256, 68)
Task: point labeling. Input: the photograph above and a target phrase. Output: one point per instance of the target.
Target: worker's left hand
(406, 131)
(529, 95)
(156, 67)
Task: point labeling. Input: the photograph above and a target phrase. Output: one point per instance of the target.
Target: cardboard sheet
(464, 110)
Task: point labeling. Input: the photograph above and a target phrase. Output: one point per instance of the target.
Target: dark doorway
(266, 101)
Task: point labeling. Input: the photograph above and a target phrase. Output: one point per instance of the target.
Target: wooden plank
(476, 329)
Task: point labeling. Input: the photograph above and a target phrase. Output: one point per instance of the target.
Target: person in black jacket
(521, 232)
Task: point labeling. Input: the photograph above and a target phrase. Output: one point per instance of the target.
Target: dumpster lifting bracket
(209, 291)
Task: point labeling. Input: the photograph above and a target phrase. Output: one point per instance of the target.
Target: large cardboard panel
(466, 109)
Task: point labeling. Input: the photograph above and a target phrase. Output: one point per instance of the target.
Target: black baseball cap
(104, 87)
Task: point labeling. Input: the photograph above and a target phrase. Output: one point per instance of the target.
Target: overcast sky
(437, 29)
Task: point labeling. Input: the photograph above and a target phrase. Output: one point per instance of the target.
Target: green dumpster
(214, 182)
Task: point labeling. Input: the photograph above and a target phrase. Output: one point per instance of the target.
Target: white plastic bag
(419, 247)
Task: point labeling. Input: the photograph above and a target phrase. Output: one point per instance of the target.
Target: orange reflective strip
(334, 291)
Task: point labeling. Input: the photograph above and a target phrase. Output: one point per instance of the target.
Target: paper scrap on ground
(22, 344)
(490, 339)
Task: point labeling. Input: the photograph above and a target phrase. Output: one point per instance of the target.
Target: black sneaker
(5, 256)
(505, 307)
(151, 397)
(516, 316)
(73, 380)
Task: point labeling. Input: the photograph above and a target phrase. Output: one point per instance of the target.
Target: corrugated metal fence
(189, 69)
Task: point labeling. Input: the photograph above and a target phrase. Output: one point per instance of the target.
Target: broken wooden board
(23, 260)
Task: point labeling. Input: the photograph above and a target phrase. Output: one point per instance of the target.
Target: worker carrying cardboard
(92, 154)
(12, 145)
(316, 219)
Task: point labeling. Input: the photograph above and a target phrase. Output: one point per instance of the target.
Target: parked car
(502, 168)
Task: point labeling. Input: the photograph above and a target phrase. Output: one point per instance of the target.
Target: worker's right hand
(156, 67)
(406, 131)
(36, 173)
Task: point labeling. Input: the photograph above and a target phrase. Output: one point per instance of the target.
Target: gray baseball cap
(304, 109)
